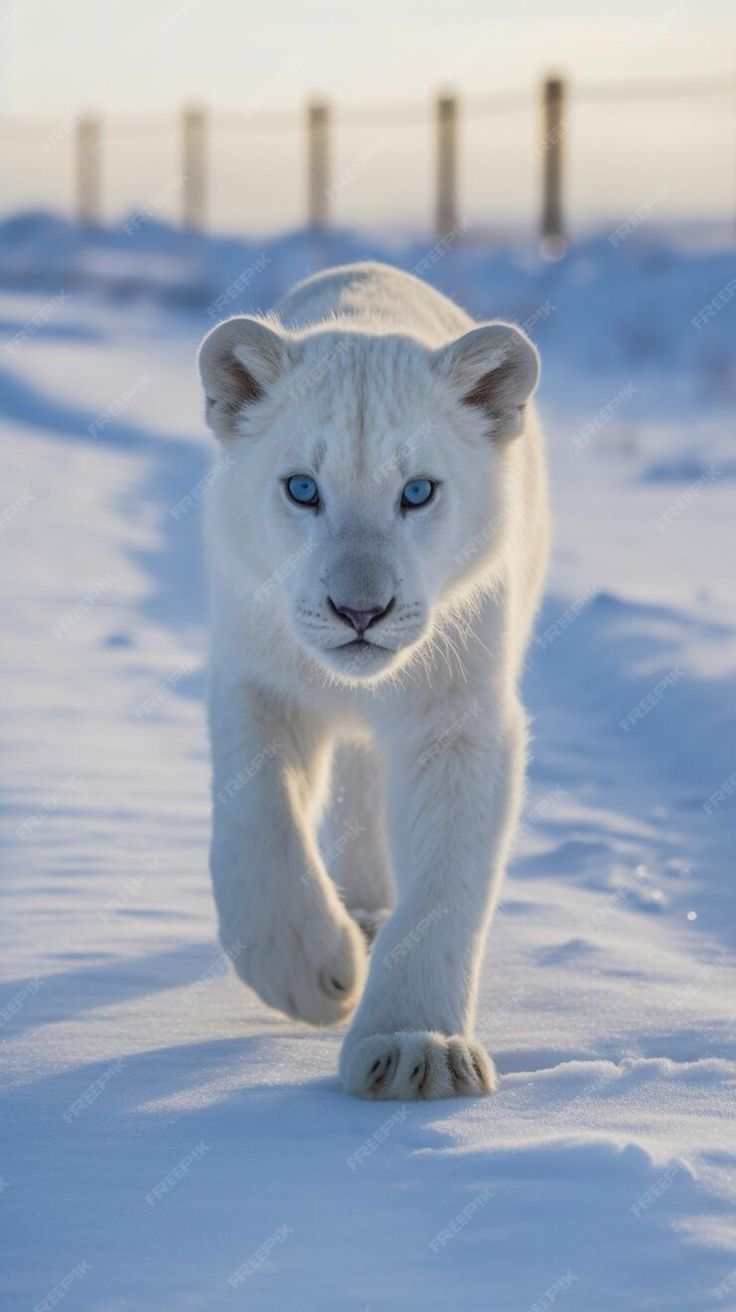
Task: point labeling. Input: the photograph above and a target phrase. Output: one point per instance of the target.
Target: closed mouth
(359, 644)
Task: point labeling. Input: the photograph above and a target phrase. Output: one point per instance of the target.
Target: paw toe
(423, 1071)
(470, 1066)
(313, 971)
(415, 1065)
(370, 921)
(332, 986)
(333, 976)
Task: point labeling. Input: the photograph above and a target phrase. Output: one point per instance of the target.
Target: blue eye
(303, 489)
(417, 493)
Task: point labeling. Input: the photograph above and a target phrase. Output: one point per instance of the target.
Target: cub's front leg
(281, 920)
(453, 802)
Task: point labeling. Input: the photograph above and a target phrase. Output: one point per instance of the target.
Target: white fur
(362, 378)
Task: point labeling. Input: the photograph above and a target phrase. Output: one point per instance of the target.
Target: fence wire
(199, 138)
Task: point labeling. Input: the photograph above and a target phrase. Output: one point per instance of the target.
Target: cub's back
(374, 298)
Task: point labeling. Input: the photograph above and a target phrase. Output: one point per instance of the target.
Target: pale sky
(152, 55)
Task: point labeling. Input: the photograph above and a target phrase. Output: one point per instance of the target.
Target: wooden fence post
(318, 164)
(446, 203)
(89, 160)
(194, 167)
(553, 131)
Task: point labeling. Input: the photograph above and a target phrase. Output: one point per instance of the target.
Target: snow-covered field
(168, 1143)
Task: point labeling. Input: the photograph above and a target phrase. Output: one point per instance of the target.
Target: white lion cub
(378, 535)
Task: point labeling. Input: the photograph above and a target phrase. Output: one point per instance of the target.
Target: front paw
(416, 1064)
(312, 968)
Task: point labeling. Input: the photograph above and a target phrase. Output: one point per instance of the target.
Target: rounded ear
(238, 361)
(496, 368)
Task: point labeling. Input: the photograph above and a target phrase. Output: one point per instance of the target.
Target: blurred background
(241, 119)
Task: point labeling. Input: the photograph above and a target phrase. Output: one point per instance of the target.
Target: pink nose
(360, 619)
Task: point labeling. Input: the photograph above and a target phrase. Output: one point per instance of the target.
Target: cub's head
(362, 486)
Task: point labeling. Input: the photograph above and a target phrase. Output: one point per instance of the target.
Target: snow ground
(166, 1142)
